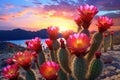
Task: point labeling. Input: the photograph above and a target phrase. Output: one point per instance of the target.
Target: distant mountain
(19, 34)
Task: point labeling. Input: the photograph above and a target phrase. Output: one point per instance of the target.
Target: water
(22, 42)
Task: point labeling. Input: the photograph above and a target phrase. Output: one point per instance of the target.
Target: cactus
(41, 58)
(62, 75)
(95, 69)
(79, 68)
(56, 46)
(96, 41)
(63, 58)
(111, 42)
(105, 45)
(30, 75)
(53, 55)
(85, 31)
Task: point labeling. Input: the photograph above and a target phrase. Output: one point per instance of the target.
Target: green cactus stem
(41, 58)
(30, 75)
(105, 45)
(111, 42)
(53, 55)
(95, 69)
(86, 31)
(63, 60)
(79, 68)
(96, 42)
(21, 78)
(62, 75)
(56, 46)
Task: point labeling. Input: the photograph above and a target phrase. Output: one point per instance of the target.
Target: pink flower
(87, 12)
(23, 58)
(66, 33)
(34, 44)
(104, 23)
(78, 43)
(10, 72)
(53, 32)
(111, 32)
(49, 69)
(49, 43)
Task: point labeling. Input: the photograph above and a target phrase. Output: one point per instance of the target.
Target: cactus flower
(10, 61)
(49, 43)
(104, 23)
(53, 32)
(87, 12)
(62, 43)
(66, 33)
(111, 32)
(105, 34)
(23, 58)
(10, 72)
(34, 44)
(78, 20)
(98, 54)
(78, 43)
(49, 69)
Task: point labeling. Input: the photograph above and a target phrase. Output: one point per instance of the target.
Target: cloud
(105, 4)
(9, 6)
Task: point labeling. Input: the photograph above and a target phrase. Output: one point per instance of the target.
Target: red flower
(34, 44)
(49, 69)
(111, 32)
(66, 33)
(62, 43)
(105, 34)
(49, 43)
(78, 20)
(10, 72)
(10, 61)
(23, 59)
(78, 43)
(98, 54)
(53, 32)
(87, 12)
(104, 23)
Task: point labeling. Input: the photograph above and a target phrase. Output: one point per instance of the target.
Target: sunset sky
(37, 14)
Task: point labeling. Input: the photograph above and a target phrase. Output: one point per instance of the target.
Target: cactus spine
(95, 69)
(96, 41)
(30, 75)
(79, 68)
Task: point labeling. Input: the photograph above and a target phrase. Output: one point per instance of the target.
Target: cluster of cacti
(75, 57)
(108, 40)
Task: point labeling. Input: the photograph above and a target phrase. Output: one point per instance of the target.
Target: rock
(118, 71)
(107, 59)
(110, 68)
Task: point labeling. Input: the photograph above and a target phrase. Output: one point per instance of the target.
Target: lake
(22, 42)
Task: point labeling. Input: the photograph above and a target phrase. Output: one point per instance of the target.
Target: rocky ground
(111, 60)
